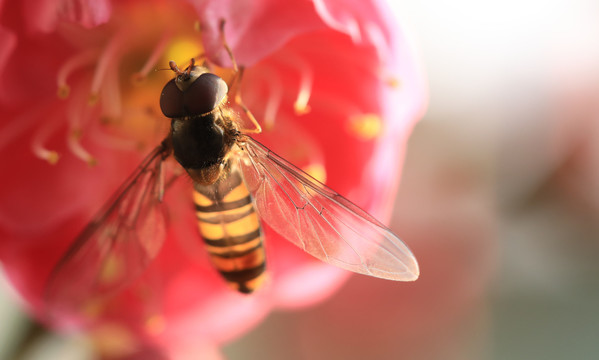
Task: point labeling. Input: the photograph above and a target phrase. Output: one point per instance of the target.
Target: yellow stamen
(63, 91)
(78, 150)
(113, 341)
(155, 324)
(93, 99)
(50, 156)
(111, 271)
(366, 126)
(92, 308)
(376, 37)
(41, 136)
(392, 82)
(301, 106)
(317, 171)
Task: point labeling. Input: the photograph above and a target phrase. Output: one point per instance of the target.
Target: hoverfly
(238, 182)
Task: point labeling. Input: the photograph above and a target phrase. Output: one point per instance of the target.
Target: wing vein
(116, 245)
(319, 220)
(308, 202)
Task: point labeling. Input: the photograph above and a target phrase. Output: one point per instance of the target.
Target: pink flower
(335, 87)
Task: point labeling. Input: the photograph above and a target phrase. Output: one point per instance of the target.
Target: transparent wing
(320, 221)
(117, 245)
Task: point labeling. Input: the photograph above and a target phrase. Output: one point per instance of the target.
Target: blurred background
(499, 201)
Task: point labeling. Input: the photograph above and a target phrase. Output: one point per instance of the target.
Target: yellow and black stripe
(231, 229)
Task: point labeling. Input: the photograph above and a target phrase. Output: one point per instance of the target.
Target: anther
(93, 99)
(300, 105)
(75, 112)
(155, 324)
(377, 38)
(197, 26)
(366, 126)
(50, 156)
(317, 171)
(40, 137)
(392, 81)
(75, 146)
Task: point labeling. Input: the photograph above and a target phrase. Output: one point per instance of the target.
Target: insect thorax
(201, 144)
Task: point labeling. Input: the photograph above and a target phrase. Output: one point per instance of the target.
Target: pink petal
(350, 17)
(38, 16)
(8, 43)
(87, 13)
(43, 15)
(403, 106)
(307, 282)
(254, 28)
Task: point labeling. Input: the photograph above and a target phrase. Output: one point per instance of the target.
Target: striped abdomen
(231, 230)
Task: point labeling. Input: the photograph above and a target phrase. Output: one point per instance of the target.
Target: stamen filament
(347, 25)
(275, 90)
(107, 59)
(41, 136)
(50, 156)
(114, 142)
(75, 112)
(15, 128)
(111, 96)
(306, 79)
(335, 105)
(76, 62)
(75, 146)
(301, 106)
(354, 30)
(377, 38)
(153, 58)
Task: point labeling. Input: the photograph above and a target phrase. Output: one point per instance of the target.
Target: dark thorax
(202, 130)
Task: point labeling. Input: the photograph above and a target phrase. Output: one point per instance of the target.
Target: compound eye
(205, 94)
(171, 100)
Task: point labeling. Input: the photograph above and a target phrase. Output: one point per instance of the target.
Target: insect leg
(236, 81)
(257, 128)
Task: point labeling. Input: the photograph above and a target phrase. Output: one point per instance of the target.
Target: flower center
(109, 87)
(111, 83)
